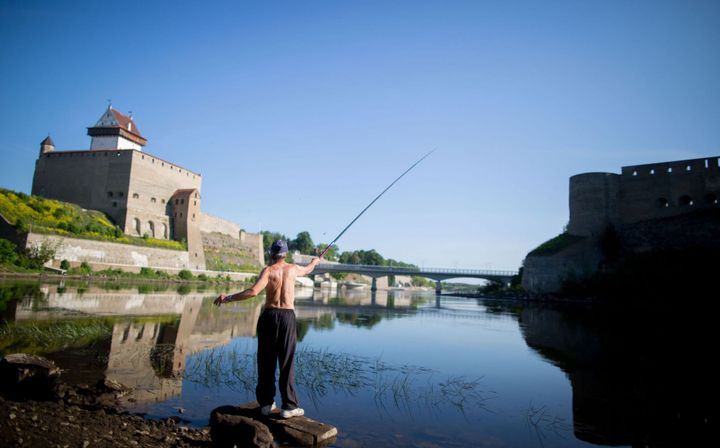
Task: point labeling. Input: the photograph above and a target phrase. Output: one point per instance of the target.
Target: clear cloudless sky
(298, 113)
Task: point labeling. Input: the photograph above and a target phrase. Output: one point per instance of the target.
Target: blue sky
(298, 113)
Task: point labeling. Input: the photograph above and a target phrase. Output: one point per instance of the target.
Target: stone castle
(142, 193)
(651, 206)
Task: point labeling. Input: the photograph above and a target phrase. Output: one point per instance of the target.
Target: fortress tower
(115, 131)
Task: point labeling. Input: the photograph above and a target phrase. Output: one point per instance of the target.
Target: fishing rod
(373, 201)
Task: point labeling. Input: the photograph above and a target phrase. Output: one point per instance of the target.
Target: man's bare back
(278, 280)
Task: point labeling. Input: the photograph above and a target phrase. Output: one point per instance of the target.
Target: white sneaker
(287, 413)
(266, 410)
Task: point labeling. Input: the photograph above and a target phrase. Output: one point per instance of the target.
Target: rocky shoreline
(38, 410)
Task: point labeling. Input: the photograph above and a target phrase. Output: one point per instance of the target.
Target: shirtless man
(276, 329)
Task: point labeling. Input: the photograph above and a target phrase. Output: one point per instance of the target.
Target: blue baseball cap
(279, 247)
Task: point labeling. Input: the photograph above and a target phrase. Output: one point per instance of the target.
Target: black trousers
(277, 339)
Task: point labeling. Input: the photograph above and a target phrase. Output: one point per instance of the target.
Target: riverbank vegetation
(39, 215)
(555, 245)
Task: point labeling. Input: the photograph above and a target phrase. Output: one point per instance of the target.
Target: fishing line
(373, 201)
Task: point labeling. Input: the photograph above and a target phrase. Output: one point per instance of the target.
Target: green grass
(216, 264)
(43, 337)
(49, 336)
(48, 216)
(555, 245)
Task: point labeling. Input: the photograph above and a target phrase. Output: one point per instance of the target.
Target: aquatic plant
(541, 423)
(318, 372)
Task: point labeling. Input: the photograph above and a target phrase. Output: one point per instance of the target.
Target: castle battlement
(642, 192)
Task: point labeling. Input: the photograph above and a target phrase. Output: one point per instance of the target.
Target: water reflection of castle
(148, 351)
(640, 380)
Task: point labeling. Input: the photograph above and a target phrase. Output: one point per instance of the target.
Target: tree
(8, 252)
(332, 254)
(303, 243)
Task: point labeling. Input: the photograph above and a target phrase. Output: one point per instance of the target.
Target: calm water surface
(393, 368)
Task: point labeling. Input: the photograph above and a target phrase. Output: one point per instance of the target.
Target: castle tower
(115, 131)
(185, 205)
(47, 145)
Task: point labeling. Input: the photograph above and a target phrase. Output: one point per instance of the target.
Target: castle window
(121, 194)
(153, 160)
(652, 171)
(663, 203)
(688, 168)
(163, 164)
(194, 202)
(634, 173)
(136, 223)
(182, 201)
(196, 195)
(670, 170)
(181, 214)
(711, 199)
(143, 157)
(110, 194)
(151, 226)
(707, 164)
(193, 216)
(136, 196)
(685, 200)
(162, 201)
(114, 203)
(153, 200)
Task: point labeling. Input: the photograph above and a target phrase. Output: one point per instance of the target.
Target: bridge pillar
(374, 284)
(438, 287)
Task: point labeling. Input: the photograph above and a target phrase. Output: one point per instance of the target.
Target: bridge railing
(338, 267)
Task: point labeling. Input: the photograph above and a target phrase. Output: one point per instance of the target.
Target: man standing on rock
(276, 329)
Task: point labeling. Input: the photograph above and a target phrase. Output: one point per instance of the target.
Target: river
(393, 368)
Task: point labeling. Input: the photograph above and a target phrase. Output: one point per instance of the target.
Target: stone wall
(86, 178)
(130, 186)
(107, 253)
(545, 274)
(214, 224)
(224, 250)
(642, 192)
(152, 183)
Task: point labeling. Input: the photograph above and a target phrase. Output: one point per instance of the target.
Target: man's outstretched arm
(305, 270)
(259, 285)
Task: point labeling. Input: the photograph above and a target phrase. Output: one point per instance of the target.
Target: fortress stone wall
(642, 192)
(650, 206)
(210, 224)
(132, 187)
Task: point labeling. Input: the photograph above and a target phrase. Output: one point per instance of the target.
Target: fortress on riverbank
(654, 206)
(142, 193)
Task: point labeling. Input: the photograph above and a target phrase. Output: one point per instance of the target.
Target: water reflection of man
(276, 329)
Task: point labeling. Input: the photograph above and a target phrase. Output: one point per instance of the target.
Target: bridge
(437, 274)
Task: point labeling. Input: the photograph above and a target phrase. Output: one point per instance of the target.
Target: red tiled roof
(124, 120)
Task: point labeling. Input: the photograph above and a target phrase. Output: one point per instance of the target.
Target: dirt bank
(77, 418)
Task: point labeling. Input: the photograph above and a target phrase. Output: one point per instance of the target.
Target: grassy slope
(61, 218)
